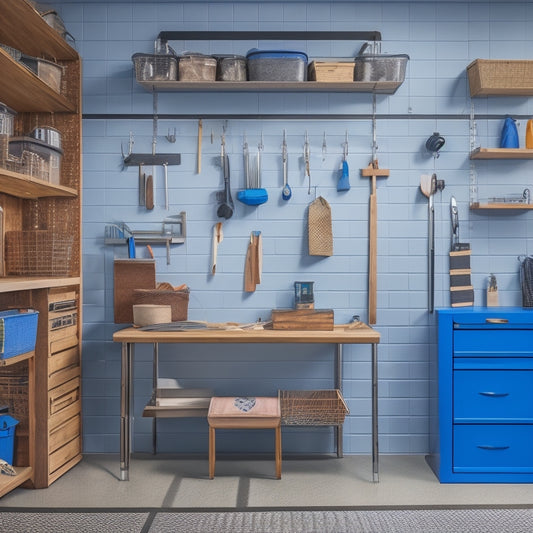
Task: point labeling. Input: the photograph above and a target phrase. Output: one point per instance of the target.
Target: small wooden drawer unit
(482, 404)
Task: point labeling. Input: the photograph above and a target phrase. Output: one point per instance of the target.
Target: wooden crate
(500, 77)
(303, 319)
(331, 71)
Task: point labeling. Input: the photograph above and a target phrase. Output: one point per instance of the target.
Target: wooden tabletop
(357, 333)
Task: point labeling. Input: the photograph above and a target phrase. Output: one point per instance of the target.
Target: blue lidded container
(276, 65)
(7, 438)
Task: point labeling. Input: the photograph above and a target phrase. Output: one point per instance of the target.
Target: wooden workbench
(357, 333)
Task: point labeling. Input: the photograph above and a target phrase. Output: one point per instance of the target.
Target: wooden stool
(244, 413)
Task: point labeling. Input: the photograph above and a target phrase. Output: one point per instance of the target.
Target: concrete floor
(169, 482)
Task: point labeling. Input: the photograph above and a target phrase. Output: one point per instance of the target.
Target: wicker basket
(38, 253)
(312, 407)
(178, 300)
(498, 76)
(14, 393)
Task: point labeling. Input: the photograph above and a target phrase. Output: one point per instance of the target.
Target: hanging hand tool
(344, 181)
(218, 237)
(286, 192)
(324, 147)
(254, 262)
(142, 186)
(226, 207)
(373, 171)
(149, 194)
(199, 155)
(429, 186)
(307, 156)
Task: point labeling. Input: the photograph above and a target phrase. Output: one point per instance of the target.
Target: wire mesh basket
(312, 407)
(14, 393)
(155, 67)
(526, 281)
(38, 253)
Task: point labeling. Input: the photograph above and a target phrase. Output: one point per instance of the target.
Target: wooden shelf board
(24, 91)
(8, 483)
(502, 206)
(12, 284)
(19, 20)
(17, 358)
(379, 87)
(24, 186)
(501, 153)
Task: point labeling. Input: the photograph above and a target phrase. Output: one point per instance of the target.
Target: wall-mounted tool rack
(172, 231)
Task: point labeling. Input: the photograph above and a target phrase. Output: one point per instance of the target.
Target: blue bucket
(7, 438)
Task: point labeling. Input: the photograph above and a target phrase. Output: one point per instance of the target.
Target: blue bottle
(509, 137)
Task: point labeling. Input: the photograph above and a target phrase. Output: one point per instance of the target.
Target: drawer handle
(494, 394)
(491, 447)
(497, 321)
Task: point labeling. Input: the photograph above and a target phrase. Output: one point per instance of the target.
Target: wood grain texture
(303, 319)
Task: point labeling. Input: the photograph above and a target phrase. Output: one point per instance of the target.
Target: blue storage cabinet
(481, 427)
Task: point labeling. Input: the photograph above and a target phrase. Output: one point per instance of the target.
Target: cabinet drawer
(493, 343)
(60, 360)
(64, 433)
(64, 454)
(492, 396)
(493, 448)
(63, 396)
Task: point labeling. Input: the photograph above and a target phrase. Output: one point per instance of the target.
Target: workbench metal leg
(126, 388)
(155, 376)
(375, 445)
(338, 385)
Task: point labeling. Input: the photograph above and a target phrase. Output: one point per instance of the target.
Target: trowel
(344, 181)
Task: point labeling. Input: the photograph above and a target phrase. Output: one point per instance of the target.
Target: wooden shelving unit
(501, 153)
(52, 445)
(501, 206)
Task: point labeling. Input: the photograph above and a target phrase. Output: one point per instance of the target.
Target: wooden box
(331, 71)
(303, 319)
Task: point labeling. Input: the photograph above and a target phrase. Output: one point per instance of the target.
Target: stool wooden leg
(211, 452)
(278, 452)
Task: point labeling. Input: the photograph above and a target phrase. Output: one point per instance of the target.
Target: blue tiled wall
(442, 38)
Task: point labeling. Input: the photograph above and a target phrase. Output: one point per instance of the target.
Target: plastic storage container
(155, 67)
(231, 68)
(197, 67)
(276, 65)
(18, 331)
(49, 72)
(7, 438)
(38, 158)
(381, 67)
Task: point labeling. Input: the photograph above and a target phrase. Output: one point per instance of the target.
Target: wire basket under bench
(312, 407)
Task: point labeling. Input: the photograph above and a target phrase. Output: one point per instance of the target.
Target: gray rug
(506, 520)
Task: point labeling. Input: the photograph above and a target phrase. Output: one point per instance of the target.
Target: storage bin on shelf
(155, 67)
(197, 67)
(312, 407)
(38, 253)
(381, 67)
(276, 65)
(231, 67)
(500, 75)
(7, 438)
(7, 118)
(49, 72)
(331, 71)
(18, 332)
(36, 158)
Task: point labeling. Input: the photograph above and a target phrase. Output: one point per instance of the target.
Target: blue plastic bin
(276, 65)
(7, 437)
(18, 332)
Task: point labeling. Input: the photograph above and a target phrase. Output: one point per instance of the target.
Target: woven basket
(312, 407)
(14, 393)
(494, 76)
(178, 300)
